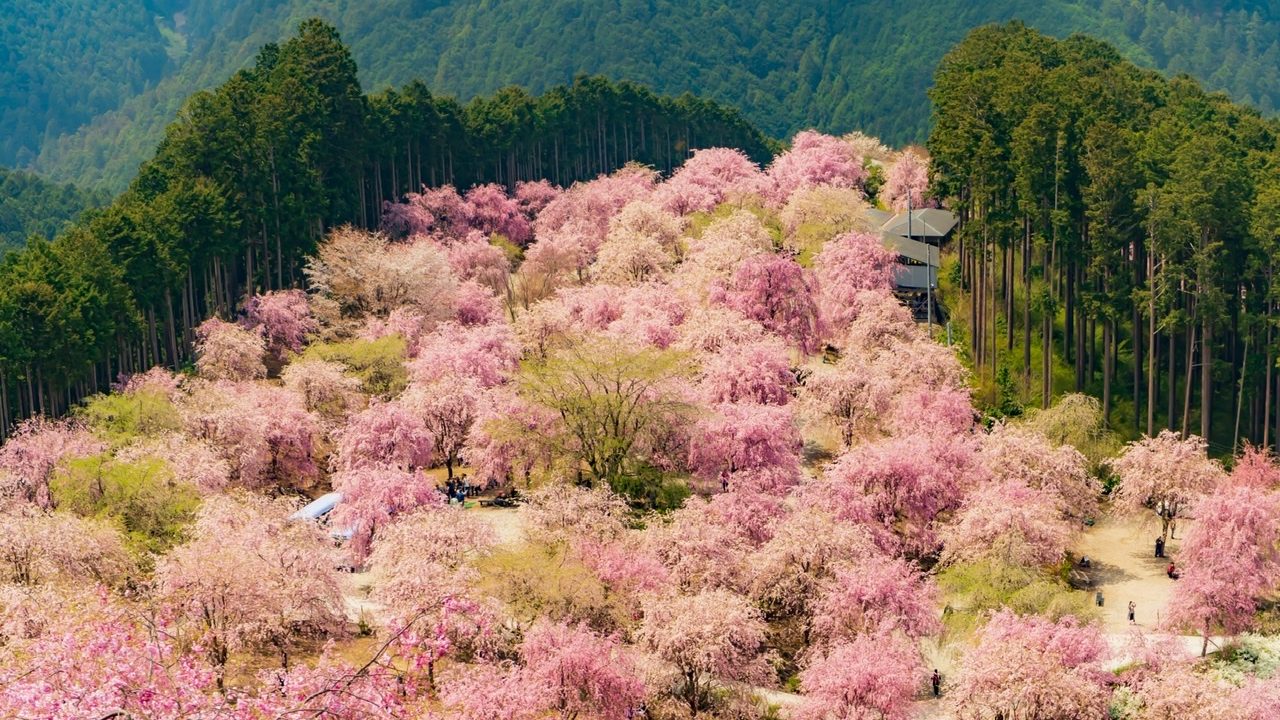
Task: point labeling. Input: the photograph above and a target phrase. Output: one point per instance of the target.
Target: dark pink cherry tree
(779, 294)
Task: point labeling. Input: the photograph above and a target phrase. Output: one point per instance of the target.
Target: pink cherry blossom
(406, 322)
(265, 433)
(33, 452)
(714, 257)
(385, 434)
(373, 496)
(1256, 467)
(1010, 522)
(536, 195)
(586, 675)
(791, 571)
(283, 318)
(99, 663)
(713, 329)
(447, 408)
(227, 352)
(37, 548)
(251, 578)
(710, 637)
(1010, 452)
(750, 513)
(450, 214)
(1032, 667)
(487, 354)
(493, 212)
(1228, 560)
(507, 439)
(190, 460)
(757, 372)
(744, 436)
(899, 485)
(848, 265)
(323, 386)
(708, 178)
(779, 294)
(404, 219)
(476, 304)
(1164, 474)
(424, 558)
(561, 513)
(698, 549)
(475, 258)
(876, 595)
(871, 677)
(591, 205)
(907, 181)
(815, 159)
(158, 380)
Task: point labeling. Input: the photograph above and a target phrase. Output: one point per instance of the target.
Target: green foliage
(1105, 204)
(875, 181)
(1007, 404)
(650, 488)
(123, 74)
(251, 175)
(972, 590)
(30, 205)
(535, 581)
(1076, 420)
(379, 364)
(1245, 657)
(69, 62)
(120, 418)
(514, 253)
(142, 498)
(617, 406)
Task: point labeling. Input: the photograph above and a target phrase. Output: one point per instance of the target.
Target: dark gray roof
(928, 222)
(878, 217)
(914, 249)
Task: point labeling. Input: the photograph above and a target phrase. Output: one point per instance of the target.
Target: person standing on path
(1159, 547)
(937, 683)
(1132, 607)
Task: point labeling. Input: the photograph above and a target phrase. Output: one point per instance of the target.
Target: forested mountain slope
(787, 65)
(30, 204)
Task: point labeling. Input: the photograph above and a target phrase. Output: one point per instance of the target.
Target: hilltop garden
(752, 486)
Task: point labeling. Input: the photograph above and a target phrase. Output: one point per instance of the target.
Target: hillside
(624, 418)
(30, 204)
(809, 63)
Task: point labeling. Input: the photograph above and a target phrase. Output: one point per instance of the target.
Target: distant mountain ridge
(91, 89)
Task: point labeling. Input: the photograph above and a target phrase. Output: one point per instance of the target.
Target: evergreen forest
(1119, 234)
(86, 91)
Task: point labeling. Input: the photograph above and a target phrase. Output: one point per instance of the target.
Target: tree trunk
(1244, 368)
(1153, 348)
(1206, 376)
(1266, 400)
(1108, 368)
(1186, 393)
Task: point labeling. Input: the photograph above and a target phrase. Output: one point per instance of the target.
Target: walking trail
(1125, 568)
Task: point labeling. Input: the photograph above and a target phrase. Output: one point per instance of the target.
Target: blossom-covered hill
(743, 464)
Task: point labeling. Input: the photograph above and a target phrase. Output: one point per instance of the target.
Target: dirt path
(508, 524)
(1125, 569)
